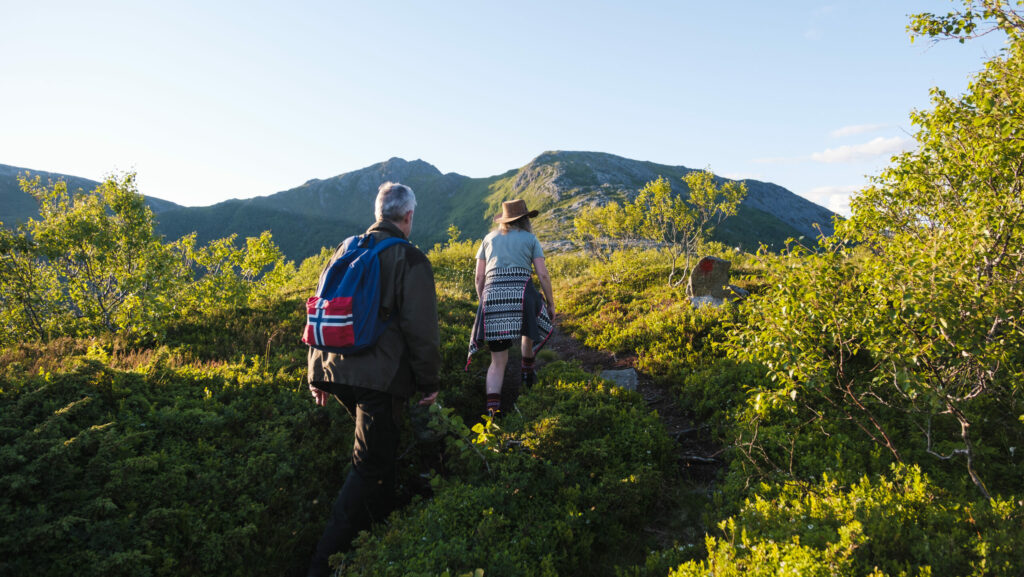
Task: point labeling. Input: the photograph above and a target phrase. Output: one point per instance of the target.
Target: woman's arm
(545, 283)
(481, 270)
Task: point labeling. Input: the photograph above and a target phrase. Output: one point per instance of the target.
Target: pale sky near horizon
(208, 101)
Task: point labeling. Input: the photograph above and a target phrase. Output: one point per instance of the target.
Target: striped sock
(493, 403)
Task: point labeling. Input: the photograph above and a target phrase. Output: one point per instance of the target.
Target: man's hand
(319, 395)
(429, 399)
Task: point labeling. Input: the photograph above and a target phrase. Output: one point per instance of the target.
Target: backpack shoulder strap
(391, 240)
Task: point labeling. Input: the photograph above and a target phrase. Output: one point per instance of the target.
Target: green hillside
(16, 206)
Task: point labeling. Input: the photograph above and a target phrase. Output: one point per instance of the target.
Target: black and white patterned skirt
(510, 307)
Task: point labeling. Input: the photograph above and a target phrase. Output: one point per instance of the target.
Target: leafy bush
(93, 265)
(918, 340)
(161, 471)
(900, 524)
(677, 225)
(455, 268)
(569, 475)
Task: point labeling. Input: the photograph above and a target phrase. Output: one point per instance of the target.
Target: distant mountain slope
(323, 212)
(562, 182)
(16, 206)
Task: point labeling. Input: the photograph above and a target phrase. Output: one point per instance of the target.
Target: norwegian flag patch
(329, 322)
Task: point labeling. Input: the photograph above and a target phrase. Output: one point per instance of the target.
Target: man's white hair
(394, 200)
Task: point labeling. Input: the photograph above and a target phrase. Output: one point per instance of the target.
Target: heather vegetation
(860, 412)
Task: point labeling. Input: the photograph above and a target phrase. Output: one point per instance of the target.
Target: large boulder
(709, 283)
(709, 278)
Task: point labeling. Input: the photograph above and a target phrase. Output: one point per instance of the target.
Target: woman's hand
(545, 284)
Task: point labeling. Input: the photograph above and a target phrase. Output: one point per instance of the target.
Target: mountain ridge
(322, 212)
(16, 205)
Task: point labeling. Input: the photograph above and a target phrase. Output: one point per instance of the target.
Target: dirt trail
(695, 453)
(686, 490)
(694, 450)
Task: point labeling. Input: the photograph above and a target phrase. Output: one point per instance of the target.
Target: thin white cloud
(825, 192)
(856, 129)
(877, 147)
(839, 204)
(834, 198)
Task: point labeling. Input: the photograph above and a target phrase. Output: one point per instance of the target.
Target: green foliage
(978, 18)
(268, 331)
(727, 558)
(920, 340)
(302, 283)
(657, 216)
(453, 234)
(93, 265)
(159, 471)
(900, 524)
(226, 276)
(94, 261)
(897, 341)
(621, 305)
(454, 267)
(30, 296)
(563, 480)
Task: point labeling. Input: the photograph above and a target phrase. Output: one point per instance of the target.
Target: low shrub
(573, 472)
(161, 470)
(896, 524)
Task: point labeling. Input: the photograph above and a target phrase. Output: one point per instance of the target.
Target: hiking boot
(529, 378)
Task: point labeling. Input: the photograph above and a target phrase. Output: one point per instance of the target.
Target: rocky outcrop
(575, 179)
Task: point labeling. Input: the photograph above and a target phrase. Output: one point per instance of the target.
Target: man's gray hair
(394, 200)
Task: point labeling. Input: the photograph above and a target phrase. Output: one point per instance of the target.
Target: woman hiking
(511, 309)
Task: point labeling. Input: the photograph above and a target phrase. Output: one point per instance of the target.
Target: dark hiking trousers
(369, 490)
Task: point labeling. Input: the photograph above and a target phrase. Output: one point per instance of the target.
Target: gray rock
(625, 378)
(709, 278)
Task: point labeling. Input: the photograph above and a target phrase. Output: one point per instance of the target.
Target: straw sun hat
(514, 210)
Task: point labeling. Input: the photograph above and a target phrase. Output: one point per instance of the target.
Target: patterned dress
(510, 304)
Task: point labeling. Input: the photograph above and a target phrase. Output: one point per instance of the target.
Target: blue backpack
(344, 314)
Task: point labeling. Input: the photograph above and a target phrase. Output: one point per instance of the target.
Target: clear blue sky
(210, 100)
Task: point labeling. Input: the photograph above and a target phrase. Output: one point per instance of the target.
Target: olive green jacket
(407, 357)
